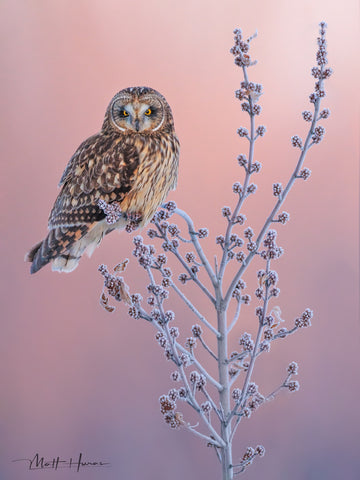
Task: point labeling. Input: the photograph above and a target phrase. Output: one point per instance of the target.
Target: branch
(208, 349)
(204, 437)
(236, 316)
(194, 309)
(243, 195)
(175, 252)
(253, 355)
(277, 206)
(217, 411)
(191, 397)
(197, 245)
(200, 367)
(193, 276)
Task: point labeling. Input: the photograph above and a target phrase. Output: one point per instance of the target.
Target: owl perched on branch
(128, 168)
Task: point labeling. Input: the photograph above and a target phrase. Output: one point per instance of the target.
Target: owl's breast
(156, 175)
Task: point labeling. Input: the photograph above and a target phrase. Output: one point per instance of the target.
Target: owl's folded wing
(101, 168)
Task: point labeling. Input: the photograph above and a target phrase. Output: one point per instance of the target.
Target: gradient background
(75, 378)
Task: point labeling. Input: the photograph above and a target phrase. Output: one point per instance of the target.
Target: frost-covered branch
(229, 390)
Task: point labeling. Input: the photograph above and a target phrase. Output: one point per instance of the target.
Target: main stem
(226, 457)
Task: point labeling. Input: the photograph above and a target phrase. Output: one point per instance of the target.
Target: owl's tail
(64, 246)
(32, 255)
(56, 247)
(50, 249)
(38, 256)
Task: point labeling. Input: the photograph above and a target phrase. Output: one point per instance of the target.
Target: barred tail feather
(29, 257)
(35, 256)
(56, 247)
(64, 246)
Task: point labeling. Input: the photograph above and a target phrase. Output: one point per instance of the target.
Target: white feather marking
(162, 121)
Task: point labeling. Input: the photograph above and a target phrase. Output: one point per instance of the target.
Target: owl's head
(138, 110)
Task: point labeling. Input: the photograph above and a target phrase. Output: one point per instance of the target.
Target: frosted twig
(199, 250)
(236, 317)
(194, 309)
(200, 367)
(208, 349)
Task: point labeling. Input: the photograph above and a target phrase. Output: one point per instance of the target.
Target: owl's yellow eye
(124, 113)
(148, 112)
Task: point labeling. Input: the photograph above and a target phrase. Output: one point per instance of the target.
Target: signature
(42, 463)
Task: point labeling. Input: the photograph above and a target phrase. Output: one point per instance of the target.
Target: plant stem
(227, 471)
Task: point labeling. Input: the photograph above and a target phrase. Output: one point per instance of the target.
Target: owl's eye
(148, 112)
(123, 113)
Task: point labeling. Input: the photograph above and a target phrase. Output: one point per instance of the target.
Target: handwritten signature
(41, 463)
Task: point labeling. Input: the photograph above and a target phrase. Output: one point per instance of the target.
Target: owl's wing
(101, 168)
(83, 154)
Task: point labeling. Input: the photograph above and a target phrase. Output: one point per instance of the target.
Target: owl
(131, 164)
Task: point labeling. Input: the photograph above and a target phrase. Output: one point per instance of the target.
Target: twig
(197, 245)
(236, 316)
(208, 349)
(194, 309)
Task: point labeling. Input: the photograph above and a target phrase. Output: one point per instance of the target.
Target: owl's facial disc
(138, 115)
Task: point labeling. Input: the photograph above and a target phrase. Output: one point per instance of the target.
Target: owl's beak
(136, 124)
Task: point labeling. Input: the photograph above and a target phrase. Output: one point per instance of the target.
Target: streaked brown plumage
(133, 160)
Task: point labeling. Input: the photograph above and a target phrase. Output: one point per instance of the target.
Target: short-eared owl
(132, 163)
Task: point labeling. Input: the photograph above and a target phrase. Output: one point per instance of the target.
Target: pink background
(75, 378)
